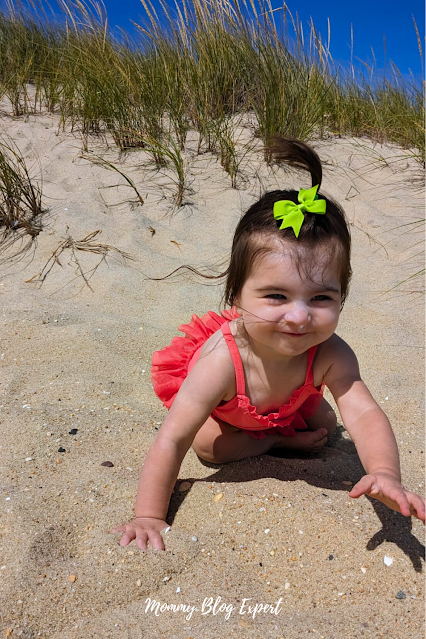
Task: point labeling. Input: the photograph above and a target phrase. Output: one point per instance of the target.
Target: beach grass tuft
(21, 208)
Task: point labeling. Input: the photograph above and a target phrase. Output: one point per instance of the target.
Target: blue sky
(370, 19)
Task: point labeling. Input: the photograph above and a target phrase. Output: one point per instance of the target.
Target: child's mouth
(294, 334)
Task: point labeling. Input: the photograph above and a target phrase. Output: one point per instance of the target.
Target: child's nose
(297, 314)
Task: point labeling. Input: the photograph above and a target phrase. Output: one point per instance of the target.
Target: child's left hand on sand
(387, 489)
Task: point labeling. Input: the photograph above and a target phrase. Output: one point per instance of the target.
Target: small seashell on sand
(363, 570)
(388, 560)
(72, 578)
(139, 582)
(347, 483)
(109, 464)
(218, 497)
(184, 486)
(194, 538)
(167, 529)
(287, 585)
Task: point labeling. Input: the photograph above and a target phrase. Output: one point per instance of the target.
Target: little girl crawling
(252, 379)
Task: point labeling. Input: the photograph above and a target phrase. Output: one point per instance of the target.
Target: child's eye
(276, 296)
(321, 298)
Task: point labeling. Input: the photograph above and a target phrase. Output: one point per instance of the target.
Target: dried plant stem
(103, 162)
(86, 244)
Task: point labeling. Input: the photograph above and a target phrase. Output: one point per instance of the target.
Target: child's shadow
(338, 461)
(397, 529)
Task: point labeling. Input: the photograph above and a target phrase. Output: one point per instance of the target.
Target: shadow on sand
(337, 462)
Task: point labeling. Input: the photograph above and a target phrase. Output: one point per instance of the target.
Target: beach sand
(284, 532)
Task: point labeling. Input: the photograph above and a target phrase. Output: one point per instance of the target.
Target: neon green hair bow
(291, 214)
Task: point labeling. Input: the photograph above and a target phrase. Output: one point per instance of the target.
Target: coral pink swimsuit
(172, 364)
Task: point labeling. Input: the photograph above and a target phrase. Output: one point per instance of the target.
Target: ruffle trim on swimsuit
(285, 416)
(170, 364)
(302, 404)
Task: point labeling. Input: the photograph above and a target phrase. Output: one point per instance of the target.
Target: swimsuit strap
(309, 373)
(238, 364)
(236, 358)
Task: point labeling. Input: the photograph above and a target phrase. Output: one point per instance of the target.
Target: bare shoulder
(216, 360)
(216, 343)
(334, 357)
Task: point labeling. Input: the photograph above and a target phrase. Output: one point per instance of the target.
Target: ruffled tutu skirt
(170, 364)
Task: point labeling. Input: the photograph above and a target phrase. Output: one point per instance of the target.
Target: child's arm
(203, 389)
(371, 433)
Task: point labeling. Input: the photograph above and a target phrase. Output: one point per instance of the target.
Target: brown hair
(258, 225)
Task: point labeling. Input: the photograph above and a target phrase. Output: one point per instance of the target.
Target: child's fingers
(128, 536)
(364, 486)
(156, 541)
(141, 539)
(118, 529)
(395, 497)
(417, 506)
(401, 499)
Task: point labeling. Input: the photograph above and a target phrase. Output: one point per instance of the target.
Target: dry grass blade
(103, 162)
(86, 244)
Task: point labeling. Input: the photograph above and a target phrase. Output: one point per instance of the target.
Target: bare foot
(309, 441)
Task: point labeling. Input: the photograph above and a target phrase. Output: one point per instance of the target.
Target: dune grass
(194, 67)
(207, 66)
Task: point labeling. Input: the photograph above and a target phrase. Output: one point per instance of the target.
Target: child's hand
(388, 490)
(142, 530)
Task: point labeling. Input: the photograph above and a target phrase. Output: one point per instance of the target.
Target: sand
(79, 358)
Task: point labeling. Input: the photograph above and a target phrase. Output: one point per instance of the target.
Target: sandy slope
(72, 357)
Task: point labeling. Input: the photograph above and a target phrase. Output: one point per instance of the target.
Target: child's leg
(325, 417)
(219, 442)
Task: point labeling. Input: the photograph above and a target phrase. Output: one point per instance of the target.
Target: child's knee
(325, 417)
(212, 451)
(215, 441)
(330, 421)
(203, 444)
(203, 451)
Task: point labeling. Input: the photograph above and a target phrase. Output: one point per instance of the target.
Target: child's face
(286, 311)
